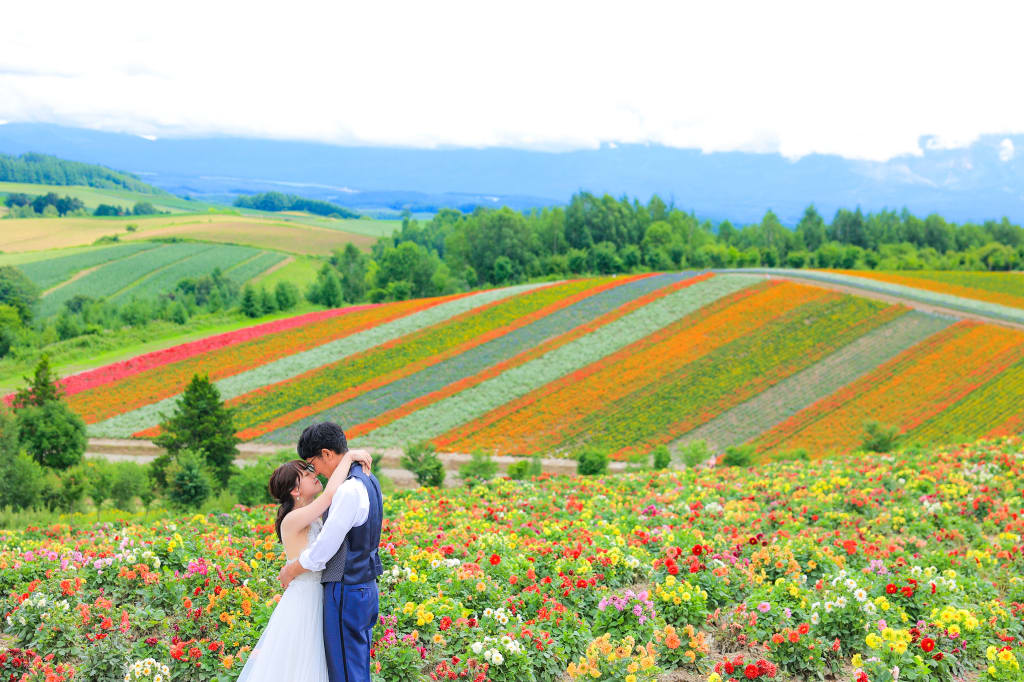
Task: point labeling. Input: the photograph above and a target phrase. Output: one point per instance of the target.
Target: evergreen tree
(42, 388)
(201, 423)
(250, 302)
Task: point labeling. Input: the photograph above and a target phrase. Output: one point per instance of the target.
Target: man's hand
(288, 573)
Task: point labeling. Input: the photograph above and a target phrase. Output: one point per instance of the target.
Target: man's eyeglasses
(309, 467)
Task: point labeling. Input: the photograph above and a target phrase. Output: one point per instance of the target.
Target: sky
(865, 80)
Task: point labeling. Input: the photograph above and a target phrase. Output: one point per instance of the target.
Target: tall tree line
(605, 235)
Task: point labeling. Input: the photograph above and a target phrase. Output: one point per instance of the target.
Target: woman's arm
(303, 516)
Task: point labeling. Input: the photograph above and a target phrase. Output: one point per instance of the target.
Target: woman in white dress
(292, 646)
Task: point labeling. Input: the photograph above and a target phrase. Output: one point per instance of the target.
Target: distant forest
(277, 201)
(41, 169)
(605, 235)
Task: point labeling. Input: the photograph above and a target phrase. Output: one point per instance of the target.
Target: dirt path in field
(75, 277)
(274, 268)
(144, 451)
(888, 298)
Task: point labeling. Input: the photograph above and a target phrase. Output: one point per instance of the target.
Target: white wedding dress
(292, 645)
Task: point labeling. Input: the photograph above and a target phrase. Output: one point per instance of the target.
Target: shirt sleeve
(349, 508)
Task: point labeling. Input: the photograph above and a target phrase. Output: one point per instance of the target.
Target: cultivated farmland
(619, 363)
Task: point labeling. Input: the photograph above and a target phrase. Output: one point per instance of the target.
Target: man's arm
(350, 508)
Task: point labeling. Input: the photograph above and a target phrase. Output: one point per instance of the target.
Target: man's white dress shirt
(349, 508)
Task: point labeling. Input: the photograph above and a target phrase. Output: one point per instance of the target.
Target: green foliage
(17, 291)
(52, 434)
(422, 460)
(479, 469)
(326, 291)
(64, 490)
(695, 453)
(21, 478)
(525, 468)
(201, 423)
(277, 201)
(41, 389)
(286, 295)
(249, 484)
(591, 461)
(41, 169)
(738, 456)
(662, 457)
(797, 455)
(189, 481)
(879, 437)
(128, 481)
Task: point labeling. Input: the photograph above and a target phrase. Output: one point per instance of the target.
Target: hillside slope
(620, 363)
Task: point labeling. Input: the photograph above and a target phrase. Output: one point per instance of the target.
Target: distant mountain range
(981, 181)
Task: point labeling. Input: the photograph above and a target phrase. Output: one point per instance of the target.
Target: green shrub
(479, 469)
(130, 480)
(591, 461)
(695, 454)
(662, 458)
(519, 469)
(249, 485)
(189, 482)
(738, 456)
(879, 437)
(64, 490)
(797, 455)
(21, 481)
(536, 468)
(423, 462)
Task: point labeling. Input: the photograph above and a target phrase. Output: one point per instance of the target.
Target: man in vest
(346, 552)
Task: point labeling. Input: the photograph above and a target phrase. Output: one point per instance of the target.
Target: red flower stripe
(330, 401)
(120, 370)
(521, 359)
(171, 378)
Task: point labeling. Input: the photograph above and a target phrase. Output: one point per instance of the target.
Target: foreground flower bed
(886, 567)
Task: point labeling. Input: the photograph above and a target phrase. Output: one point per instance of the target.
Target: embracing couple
(322, 628)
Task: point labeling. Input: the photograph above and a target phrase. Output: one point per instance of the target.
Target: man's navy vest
(357, 560)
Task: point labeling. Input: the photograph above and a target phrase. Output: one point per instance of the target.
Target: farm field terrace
(623, 363)
(850, 567)
(33, 234)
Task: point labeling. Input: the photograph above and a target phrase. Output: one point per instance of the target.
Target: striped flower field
(622, 363)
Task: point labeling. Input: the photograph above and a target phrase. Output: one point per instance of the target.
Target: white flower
(869, 608)
(850, 583)
(829, 606)
(815, 618)
(860, 595)
(477, 647)
(497, 659)
(841, 601)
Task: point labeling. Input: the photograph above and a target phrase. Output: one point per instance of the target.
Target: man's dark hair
(316, 437)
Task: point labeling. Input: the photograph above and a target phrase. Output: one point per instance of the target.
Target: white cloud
(1006, 150)
(865, 80)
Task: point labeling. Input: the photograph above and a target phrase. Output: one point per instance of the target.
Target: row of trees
(82, 316)
(42, 443)
(23, 205)
(278, 201)
(51, 205)
(42, 169)
(454, 251)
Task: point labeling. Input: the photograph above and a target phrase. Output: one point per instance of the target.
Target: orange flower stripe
(905, 392)
(592, 287)
(521, 359)
(989, 410)
(162, 382)
(547, 420)
(463, 432)
(981, 286)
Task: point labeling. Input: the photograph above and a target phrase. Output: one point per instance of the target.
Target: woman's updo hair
(282, 482)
